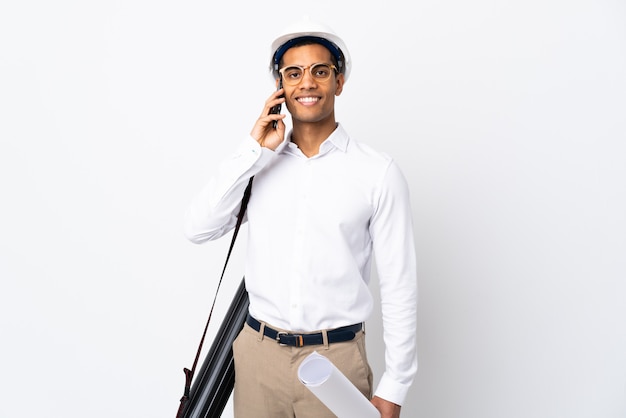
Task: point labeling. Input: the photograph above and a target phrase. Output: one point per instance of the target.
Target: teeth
(308, 99)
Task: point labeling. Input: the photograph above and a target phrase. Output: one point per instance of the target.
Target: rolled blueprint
(334, 389)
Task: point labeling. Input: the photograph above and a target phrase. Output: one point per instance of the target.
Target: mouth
(308, 100)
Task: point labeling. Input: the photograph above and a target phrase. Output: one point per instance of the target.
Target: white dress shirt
(313, 227)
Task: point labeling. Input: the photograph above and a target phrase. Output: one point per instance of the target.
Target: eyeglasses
(293, 74)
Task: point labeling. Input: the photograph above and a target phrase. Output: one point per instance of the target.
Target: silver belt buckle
(278, 334)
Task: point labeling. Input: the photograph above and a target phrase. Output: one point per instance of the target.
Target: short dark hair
(336, 55)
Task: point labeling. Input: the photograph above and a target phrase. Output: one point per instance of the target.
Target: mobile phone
(276, 109)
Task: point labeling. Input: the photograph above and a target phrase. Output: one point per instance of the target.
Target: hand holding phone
(276, 109)
(270, 135)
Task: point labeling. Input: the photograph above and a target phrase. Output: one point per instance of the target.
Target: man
(322, 205)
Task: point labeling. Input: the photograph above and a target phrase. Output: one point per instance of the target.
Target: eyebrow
(310, 65)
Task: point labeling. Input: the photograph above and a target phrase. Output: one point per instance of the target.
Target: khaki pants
(266, 375)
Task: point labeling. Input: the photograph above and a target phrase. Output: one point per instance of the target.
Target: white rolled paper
(334, 389)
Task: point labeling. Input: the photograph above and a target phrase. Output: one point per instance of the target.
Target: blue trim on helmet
(334, 49)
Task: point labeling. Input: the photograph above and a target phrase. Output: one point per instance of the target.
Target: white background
(506, 117)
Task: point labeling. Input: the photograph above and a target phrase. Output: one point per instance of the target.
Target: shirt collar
(337, 139)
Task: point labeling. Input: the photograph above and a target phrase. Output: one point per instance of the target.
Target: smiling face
(311, 101)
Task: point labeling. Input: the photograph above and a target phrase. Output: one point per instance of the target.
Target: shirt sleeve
(213, 212)
(394, 248)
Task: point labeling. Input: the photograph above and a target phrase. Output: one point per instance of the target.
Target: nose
(307, 79)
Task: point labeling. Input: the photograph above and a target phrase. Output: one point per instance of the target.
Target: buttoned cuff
(252, 152)
(391, 391)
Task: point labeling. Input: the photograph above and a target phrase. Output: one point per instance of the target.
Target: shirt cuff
(250, 150)
(391, 391)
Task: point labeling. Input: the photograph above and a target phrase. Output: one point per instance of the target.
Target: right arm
(213, 212)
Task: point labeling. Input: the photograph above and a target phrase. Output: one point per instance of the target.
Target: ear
(339, 82)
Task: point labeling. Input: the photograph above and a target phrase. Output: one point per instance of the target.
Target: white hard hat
(315, 31)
